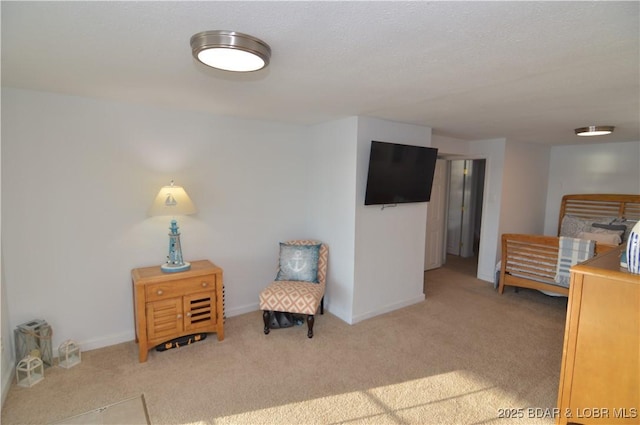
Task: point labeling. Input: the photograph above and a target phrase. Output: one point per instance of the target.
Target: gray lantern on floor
(68, 354)
(34, 338)
(29, 371)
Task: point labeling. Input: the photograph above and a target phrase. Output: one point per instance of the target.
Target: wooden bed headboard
(600, 205)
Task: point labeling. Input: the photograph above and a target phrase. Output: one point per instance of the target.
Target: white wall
(79, 176)
(524, 192)
(492, 203)
(389, 243)
(590, 168)
(7, 358)
(332, 207)
(450, 146)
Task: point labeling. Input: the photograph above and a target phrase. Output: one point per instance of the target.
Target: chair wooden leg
(322, 306)
(265, 317)
(310, 321)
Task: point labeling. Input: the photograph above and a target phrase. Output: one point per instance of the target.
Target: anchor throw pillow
(299, 262)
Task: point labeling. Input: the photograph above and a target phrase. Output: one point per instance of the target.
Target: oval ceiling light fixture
(594, 130)
(230, 51)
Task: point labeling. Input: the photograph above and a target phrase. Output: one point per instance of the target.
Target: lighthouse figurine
(175, 263)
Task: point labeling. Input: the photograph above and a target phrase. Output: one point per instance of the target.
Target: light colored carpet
(130, 411)
(459, 357)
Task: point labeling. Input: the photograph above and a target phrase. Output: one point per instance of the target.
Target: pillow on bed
(603, 238)
(572, 226)
(613, 229)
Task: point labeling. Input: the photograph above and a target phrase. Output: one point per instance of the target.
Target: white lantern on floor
(29, 371)
(68, 354)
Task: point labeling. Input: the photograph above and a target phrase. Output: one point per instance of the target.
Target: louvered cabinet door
(164, 320)
(200, 311)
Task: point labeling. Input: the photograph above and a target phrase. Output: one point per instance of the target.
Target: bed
(532, 261)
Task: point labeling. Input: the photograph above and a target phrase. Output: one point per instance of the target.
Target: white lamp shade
(172, 200)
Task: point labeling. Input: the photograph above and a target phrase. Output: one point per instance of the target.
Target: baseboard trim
(388, 308)
(487, 278)
(7, 378)
(106, 341)
(237, 311)
(93, 344)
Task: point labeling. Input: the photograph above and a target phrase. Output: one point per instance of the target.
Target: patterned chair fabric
(294, 296)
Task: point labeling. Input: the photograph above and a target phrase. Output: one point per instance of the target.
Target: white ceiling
(528, 71)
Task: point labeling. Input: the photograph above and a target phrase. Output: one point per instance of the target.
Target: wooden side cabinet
(600, 373)
(171, 305)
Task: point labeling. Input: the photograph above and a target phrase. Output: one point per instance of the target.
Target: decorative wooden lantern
(29, 371)
(68, 354)
(34, 335)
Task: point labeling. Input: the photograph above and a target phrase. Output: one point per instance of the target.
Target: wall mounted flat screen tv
(399, 173)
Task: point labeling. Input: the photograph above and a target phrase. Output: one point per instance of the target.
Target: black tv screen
(399, 173)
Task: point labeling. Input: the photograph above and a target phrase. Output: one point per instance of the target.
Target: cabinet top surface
(608, 264)
(155, 274)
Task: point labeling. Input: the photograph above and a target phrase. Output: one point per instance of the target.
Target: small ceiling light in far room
(230, 51)
(595, 130)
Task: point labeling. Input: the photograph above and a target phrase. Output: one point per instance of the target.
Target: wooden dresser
(171, 305)
(600, 374)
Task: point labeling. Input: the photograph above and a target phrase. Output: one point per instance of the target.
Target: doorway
(464, 218)
(457, 212)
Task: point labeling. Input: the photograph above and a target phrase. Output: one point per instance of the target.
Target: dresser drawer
(177, 288)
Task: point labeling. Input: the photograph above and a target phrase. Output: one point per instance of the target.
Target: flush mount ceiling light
(594, 130)
(230, 51)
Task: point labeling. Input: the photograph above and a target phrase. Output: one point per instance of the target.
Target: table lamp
(173, 200)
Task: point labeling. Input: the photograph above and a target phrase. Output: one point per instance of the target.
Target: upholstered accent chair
(300, 283)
